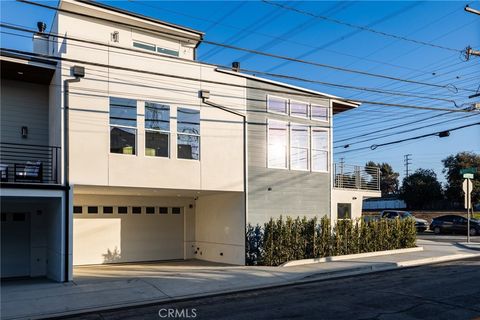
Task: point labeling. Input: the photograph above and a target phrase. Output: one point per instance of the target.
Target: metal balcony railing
(28, 163)
(356, 177)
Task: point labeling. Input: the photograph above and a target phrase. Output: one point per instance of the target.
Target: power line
(376, 146)
(254, 51)
(363, 28)
(155, 56)
(405, 131)
(407, 160)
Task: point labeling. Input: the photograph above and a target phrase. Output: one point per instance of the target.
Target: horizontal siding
(24, 104)
(293, 193)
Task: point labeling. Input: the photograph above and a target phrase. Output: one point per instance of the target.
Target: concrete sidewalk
(114, 286)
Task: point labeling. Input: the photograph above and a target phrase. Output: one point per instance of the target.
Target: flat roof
(352, 104)
(140, 16)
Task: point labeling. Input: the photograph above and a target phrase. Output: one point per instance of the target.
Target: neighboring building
(392, 202)
(136, 152)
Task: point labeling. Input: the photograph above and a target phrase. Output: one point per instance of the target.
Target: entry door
(15, 248)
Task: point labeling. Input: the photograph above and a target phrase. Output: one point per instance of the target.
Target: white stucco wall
(354, 197)
(219, 228)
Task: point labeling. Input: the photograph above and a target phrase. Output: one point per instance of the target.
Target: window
(319, 113)
(176, 210)
(168, 51)
(123, 125)
(163, 210)
(299, 147)
(344, 210)
(188, 134)
(277, 144)
(136, 210)
(108, 210)
(144, 45)
(299, 109)
(278, 105)
(77, 209)
(122, 210)
(92, 210)
(150, 210)
(319, 150)
(157, 129)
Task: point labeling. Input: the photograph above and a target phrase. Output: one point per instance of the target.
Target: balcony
(27, 163)
(356, 177)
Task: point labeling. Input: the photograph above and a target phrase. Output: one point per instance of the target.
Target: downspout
(78, 73)
(205, 95)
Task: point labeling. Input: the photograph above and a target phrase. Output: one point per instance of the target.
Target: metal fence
(28, 163)
(356, 177)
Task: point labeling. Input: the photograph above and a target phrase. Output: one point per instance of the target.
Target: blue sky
(266, 27)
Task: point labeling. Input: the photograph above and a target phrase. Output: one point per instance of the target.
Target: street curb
(349, 256)
(345, 273)
(471, 246)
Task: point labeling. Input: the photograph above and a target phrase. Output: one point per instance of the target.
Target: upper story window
(277, 144)
(123, 125)
(278, 105)
(319, 113)
(319, 150)
(299, 109)
(157, 129)
(154, 48)
(144, 45)
(188, 134)
(299, 147)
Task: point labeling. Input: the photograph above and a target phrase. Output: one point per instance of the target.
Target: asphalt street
(442, 291)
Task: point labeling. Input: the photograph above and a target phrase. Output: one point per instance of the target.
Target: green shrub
(281, 240)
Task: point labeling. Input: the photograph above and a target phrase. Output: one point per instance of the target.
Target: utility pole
(469, 50)
(407, 161)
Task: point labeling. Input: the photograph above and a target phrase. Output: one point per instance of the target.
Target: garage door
(15, 248)
(113, 234)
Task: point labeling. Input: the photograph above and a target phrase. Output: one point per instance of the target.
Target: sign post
(467, 189)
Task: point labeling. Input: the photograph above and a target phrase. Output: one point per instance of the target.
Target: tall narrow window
(299, 147)
(188, 134)
(123, 125)
(277, 144)
(319, 150)
(319, 113)
(299, 109)
(157, 129)
(278, 105)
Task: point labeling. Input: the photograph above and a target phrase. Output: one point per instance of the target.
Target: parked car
(420, 224)
(454, 224)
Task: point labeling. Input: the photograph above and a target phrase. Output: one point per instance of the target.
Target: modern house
(118, 146)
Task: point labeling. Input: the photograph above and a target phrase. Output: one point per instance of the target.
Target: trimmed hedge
(281, 240)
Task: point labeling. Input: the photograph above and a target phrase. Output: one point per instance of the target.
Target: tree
(452, 165)
(421, 189)
(388, 178)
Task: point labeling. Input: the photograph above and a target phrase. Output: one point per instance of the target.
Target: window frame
(190, 134)
(319, 120)
(168, 133)
(308, 148)
(309, 106)
(144, 43)
(350, 210)
(287, 151)
(311, 149)
(287, 112)
(110, 126)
